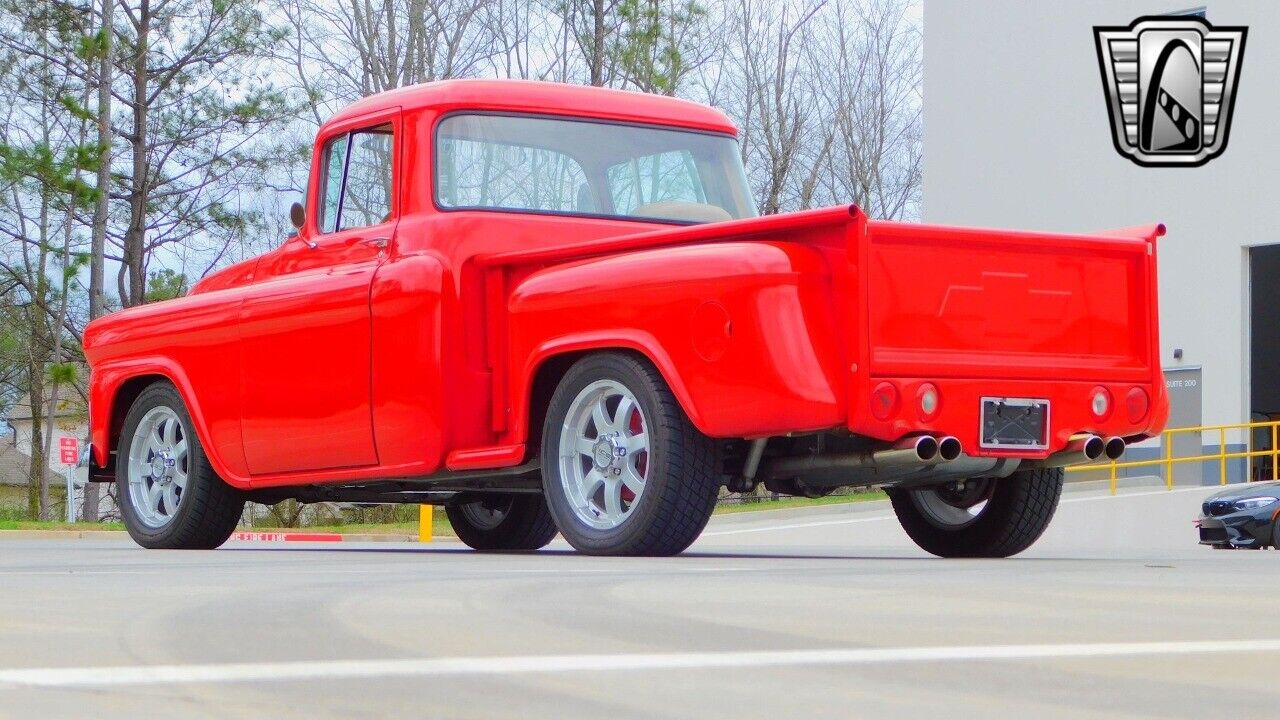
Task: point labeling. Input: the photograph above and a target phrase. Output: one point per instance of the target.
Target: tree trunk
(37, 480)
(134, 245)
(46, 451)
(97, 249)
(598, 37)
(98, 240)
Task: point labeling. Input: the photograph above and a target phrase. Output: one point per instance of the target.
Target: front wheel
(502, 522)
(980, 518)
(624, 471)
(170, 496)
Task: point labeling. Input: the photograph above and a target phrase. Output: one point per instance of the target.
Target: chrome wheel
(954, 505)
(604, 454)
(158, 464)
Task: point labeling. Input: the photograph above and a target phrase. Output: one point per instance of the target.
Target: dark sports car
(1242, 516)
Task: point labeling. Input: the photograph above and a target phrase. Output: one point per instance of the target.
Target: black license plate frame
(1011, 423)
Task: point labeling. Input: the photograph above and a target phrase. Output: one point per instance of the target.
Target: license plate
(1014, 423)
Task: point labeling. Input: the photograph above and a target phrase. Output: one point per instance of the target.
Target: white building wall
(1016, 134)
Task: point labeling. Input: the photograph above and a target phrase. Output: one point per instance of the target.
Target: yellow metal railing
(1167, 461)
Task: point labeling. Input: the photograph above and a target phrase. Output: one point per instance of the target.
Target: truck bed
(974, 312)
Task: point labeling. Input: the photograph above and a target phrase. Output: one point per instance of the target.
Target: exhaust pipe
(911, 452)
(1114, 448)
(908, 451)
(949, 448)
(1080, 449)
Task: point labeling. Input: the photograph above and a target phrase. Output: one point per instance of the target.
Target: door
(305, 349)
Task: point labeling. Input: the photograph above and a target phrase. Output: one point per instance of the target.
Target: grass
(440, 523)
(52, 525)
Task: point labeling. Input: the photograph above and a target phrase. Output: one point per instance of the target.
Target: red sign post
(69, 450)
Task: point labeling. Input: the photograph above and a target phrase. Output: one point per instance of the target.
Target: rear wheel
(170, 496)
(503, 522)
(624, 470)
(980, 517)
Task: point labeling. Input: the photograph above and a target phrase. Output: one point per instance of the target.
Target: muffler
(1080, 449)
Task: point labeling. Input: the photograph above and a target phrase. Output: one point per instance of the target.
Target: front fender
(106, 412)
(743, 332)
(191, 342)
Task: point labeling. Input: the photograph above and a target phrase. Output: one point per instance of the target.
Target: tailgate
(962, 302)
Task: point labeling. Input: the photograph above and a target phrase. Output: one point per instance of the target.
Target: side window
(664, 177)
(356, 182)
(366, 199)
(335, 156)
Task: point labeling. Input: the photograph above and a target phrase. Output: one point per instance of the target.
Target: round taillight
(1137, 403)
(928, 401)
(1100, 403)
(884, 401)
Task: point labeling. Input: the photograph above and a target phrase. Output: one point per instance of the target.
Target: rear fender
(742, 332)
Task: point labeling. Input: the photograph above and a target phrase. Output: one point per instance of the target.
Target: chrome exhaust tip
(1091, 447)
(924, 446)
(1080, 449)
(1086, 448)
(949, 448)
(1114, 448)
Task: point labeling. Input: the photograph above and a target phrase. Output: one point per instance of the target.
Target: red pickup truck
(554, 308)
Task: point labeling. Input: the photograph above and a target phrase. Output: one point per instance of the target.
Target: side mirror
(298, 215)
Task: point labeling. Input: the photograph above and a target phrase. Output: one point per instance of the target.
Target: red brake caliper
(634, 425)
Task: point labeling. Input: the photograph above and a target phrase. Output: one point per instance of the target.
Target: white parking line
(76, 677)
(74, 573)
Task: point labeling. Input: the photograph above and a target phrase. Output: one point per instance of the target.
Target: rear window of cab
(516, 163)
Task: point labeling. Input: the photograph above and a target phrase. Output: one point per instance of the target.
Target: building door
(1264, 344)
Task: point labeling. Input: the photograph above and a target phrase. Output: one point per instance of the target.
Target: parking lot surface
(1116, 612)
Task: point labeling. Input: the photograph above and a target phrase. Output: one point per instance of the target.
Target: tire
(1017, 511)
(656, 494)
(503, 522)
(202, 511)
(1275, 533)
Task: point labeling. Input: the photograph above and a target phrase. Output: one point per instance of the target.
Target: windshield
(545, 165)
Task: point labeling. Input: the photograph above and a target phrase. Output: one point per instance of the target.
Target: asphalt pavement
(832, 612)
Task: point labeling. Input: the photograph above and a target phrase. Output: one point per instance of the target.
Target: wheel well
(547, 378)
(128, 391)
(545, 381)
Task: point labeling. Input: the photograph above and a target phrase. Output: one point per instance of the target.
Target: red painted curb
(288, 537)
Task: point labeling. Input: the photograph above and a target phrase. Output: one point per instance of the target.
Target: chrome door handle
(378, 242)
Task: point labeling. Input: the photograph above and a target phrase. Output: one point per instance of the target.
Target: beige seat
(681, 210)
